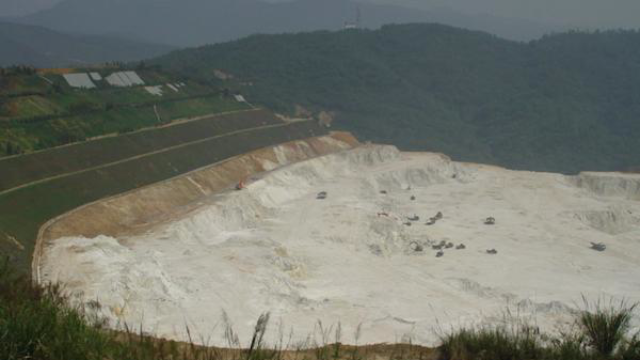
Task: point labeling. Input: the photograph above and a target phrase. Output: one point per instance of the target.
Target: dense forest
(565, 103)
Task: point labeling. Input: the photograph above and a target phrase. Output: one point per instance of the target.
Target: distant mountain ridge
(200, 22)
(41, 47)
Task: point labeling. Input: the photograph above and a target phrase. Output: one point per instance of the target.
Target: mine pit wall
(137, 210)
(621, 185)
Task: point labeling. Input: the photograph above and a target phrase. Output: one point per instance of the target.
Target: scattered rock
(408, 223)
(416, 247)
(384, 192)
(598, 246)
(490, 221)
(461, 247)
(440, 254)
(413, 198)
(441, 245)
(448, 246)
(321, 195)
(376, 250)
(414, 218)
(435, 218)
(492, 251)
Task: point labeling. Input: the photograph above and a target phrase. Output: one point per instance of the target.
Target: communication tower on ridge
(356, 24)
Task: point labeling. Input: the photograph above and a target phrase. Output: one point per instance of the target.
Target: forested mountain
(37, 46)
(200, 22)
(567, 102)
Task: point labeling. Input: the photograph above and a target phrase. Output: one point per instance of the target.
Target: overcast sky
(595, 13)
(575, 13)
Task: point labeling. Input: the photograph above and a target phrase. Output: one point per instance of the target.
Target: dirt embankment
(137, 210)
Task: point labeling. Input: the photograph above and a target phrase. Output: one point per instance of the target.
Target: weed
(605, 327)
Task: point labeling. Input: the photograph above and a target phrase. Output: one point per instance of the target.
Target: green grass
(492, 344)
(16, 85)
(194, 107)
(125, 96)
(33, 106)
(601, 333)
(605, 327)
(38, 323)
(35, 323)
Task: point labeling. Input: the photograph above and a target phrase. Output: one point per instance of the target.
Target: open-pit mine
(392, 246)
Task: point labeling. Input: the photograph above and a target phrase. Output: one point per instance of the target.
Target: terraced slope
(22, 170)
(41, 110)
(45, 185)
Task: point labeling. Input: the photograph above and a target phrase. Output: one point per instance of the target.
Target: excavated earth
(363, 257)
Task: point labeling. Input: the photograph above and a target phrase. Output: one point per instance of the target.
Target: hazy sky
(597, 13)
(577, 13)
(21, 7)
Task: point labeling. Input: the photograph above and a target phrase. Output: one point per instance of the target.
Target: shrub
(603, 333)
(493, 344)
(605, 328)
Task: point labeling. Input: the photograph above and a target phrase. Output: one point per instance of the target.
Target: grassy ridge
(32, 167)
(26, 209)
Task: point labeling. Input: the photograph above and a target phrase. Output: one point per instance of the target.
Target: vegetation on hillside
(39, 110)
(566, 103)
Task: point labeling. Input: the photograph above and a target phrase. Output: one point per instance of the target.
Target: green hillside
(565, 103)
(40, 110)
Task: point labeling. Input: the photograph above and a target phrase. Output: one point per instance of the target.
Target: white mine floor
(275, 248)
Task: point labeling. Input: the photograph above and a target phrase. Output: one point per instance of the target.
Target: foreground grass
(601, 332)
(37, 323)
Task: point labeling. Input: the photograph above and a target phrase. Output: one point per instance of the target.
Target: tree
(141, 65)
